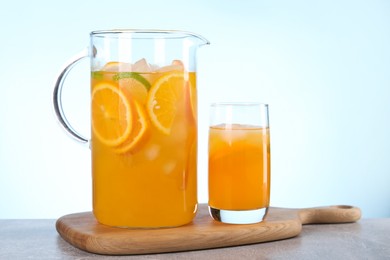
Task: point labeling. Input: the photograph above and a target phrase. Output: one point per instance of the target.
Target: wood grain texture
(83, 231)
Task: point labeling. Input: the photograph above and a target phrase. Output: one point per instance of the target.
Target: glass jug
(143, 126)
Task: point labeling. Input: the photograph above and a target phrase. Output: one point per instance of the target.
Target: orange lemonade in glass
(239, 163)
(144, 145)
(239, 167)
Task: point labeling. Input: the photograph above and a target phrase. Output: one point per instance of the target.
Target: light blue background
(323, 67)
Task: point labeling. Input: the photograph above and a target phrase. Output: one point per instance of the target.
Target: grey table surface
(365, 239)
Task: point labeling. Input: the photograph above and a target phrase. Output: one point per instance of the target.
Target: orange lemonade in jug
(144, 139)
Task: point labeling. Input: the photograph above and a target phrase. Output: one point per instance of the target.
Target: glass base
(238, 216)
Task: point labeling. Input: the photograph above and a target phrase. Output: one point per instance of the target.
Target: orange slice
(191, 96)
(140, 132)
(163, 99)
(115, 66)
(111, 114)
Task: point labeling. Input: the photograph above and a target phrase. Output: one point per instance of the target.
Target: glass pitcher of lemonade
(143, 126)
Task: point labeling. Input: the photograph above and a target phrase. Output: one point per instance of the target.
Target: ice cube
(141, 66)
(123, 66)
(169, 167)
(176, 65)
(229, 136)
(154, 67)
(152, 152)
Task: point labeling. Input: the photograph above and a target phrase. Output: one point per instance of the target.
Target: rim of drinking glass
(247, 104)
(147, 34)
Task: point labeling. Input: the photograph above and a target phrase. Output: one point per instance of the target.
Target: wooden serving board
(83, 231)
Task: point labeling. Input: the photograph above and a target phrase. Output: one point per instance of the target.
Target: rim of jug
(147, 34)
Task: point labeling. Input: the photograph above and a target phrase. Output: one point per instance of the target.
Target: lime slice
(98, 75)
(132, 75)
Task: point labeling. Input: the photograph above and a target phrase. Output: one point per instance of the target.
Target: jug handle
(57, 96)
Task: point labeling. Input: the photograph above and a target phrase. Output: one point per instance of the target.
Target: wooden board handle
(329, 215)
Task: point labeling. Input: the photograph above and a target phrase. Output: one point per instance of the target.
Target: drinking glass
(239, 162)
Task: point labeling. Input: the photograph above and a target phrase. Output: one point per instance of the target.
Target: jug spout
(199, 39)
